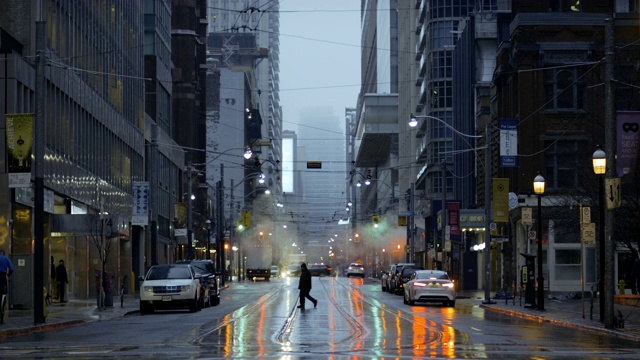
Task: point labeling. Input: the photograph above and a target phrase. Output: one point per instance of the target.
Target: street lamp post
(538, 188)
(599, 159)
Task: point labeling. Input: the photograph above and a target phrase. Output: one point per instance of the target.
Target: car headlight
(185, 288)
(148, 289)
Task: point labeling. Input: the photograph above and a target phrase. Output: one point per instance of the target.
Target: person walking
(6, 269)
(305, 286)
(61, 280)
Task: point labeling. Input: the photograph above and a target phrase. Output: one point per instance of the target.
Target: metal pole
(444, 215)
(38, 218)
(153, 194)
(540, 276)
(410, 226)
(189, 214)
(610, 150)
(487, 216)
(601, 246)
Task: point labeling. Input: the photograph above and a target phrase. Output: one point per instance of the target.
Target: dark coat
(61, 274)
(305, 279)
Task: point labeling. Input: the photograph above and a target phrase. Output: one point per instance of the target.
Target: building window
(563, 158)
(564, 89)
(564, 5)
(567, 265)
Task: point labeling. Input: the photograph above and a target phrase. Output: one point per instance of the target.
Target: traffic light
(375, 220)
(246, 218)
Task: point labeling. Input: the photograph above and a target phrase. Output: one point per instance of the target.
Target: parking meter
(528, 278)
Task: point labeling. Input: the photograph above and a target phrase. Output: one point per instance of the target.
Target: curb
(542, 319)
(45, 327)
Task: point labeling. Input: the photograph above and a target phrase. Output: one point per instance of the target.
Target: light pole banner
(19, 135)
(628, 139)
(140, 211)
(508, 143)
(500, 200)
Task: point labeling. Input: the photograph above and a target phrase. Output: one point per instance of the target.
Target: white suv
(169, 286)
(355, 269)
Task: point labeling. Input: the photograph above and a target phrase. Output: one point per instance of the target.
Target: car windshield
(409, 270)
(356, 265)
(169, 272)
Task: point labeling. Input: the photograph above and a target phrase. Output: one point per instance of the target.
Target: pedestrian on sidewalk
(61, 280)
(305, 286)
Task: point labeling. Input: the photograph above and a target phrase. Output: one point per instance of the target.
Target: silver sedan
(430, 286)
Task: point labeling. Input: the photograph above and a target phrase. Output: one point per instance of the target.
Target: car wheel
(404, 299)
(216, 300)
(452, 303)
(411, 302)
(193, 305)
(145, 308)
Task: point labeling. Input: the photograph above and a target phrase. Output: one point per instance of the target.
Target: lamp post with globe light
(599, 160)
(538, 188)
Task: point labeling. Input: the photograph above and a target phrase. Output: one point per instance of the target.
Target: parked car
(169, 286)
(404, 276)
(274, 271)
(319, 270)
(430, 286)
(210, 284)
(355, 269)
(394, 270)
(294, 270)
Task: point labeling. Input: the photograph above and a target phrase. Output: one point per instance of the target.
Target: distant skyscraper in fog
(322, 134)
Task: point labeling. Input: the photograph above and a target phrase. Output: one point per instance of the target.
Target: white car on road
(170, 286)
(430, 286)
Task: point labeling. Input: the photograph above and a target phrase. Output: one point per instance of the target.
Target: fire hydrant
(621, 287)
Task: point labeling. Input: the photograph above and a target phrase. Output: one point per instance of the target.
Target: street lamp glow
(538, 184)
(413, 122)
(247, 153)
(358, 184)
(267, 191)
(599, 161)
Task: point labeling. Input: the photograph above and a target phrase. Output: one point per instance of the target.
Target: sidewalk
(569, 313)
(59, 315)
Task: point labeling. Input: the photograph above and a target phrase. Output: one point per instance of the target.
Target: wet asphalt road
(354, 319)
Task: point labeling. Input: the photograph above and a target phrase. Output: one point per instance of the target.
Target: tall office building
(93, 140)
(234, 22)
(324, 188)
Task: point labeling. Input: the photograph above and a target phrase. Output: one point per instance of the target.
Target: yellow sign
(588, 233)
(500, 200)
(614, 193)
(402, 221)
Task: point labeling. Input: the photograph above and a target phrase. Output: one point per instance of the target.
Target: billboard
(288, 163)
(19, 137)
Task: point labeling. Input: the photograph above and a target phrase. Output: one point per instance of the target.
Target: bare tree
(101, 232)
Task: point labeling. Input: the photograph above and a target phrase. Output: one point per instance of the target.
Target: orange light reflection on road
(359, 314)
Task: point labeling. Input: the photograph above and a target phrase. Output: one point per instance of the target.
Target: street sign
(614, 196)
(585, 215)
(180, 232)
(527, 216)
(588, 233)
(408, 213)
(531, 235)
(447, 246)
